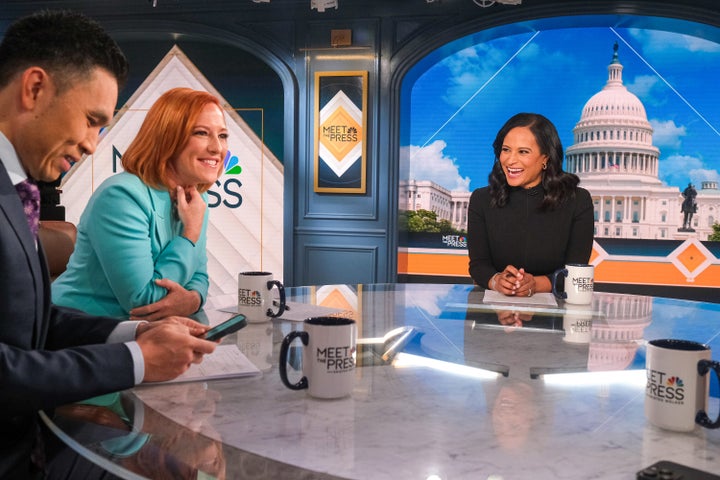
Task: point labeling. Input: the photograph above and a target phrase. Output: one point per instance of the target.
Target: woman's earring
(545, 166)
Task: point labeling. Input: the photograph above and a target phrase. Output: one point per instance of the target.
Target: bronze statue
(689, 207)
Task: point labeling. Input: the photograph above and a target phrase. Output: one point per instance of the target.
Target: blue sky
(457, 101)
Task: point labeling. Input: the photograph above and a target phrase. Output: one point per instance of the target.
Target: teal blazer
(128, 237)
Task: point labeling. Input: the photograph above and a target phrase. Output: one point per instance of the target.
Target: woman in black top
(532, 218)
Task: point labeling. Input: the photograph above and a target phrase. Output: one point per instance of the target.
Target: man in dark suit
(59, 79)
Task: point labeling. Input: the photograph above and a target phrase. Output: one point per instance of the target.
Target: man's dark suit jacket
(49, 355)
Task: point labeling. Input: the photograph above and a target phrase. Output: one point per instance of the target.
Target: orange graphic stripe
(608, 271)
(432, 264)
(653, 273)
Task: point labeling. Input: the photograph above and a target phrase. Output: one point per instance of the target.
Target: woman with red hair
(141, 244)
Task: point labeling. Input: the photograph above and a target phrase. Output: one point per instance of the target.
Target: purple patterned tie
(30, 198)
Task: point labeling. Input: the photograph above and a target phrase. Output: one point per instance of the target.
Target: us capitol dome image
(614, 156)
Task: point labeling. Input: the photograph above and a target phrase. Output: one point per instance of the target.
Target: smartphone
(227, 327)
(673, 471)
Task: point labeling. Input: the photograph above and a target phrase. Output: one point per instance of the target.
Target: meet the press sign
(336, 359)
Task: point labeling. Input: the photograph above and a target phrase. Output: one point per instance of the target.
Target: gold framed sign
(340, 126)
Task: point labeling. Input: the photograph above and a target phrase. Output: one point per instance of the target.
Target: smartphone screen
(227, 327)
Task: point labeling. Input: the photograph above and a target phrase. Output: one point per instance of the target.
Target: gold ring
(530, 293)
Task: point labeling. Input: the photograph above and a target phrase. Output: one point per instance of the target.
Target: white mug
(579, 283)
(255, 299)
(328, 359)
(677, 389)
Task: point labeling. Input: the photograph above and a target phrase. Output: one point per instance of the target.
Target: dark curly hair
(66, 44)
(557, 184)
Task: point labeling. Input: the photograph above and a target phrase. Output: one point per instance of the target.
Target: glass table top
(446, 385)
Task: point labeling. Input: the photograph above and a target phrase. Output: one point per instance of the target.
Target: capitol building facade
(616, 161)
(614, 156)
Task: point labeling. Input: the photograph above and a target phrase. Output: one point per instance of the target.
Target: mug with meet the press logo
(579, 283)
(678, 384)
(255, 299)
(328, 357)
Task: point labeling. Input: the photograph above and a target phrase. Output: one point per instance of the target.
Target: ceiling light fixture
(490, 3)
(321, 5)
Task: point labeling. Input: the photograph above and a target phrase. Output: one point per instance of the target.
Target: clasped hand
(514, 281)
(177, 301)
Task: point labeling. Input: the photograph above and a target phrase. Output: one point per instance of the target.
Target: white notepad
(227, 361)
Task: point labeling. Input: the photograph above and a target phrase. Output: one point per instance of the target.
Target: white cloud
(699, 175)
(667, 134)
(469, 70)
(472, 67)
(675, 169)
(679, 170)
(661, 41)
(430, 163)
(695, 44)
(642, 85)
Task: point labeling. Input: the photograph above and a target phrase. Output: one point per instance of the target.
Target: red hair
(163, 134)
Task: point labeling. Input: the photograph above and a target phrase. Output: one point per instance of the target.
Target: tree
(425, 221)
(715, 236)
(422, 221)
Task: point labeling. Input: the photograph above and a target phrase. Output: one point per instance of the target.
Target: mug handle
(284, 348)
(281, 304)
(702, 418)
(553, 281)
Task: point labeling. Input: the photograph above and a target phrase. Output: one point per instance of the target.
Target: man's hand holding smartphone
(170, 346)
(232, 325)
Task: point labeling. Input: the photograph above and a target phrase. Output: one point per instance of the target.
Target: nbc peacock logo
(232, 164)
(226, 191)
(675, 382)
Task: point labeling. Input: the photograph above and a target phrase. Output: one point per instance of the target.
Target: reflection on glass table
(446, 385)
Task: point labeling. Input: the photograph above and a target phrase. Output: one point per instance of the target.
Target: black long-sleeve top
(519, 234)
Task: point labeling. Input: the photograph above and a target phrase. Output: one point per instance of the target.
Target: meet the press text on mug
(249, 297)
(336, 359)
(665, 388)
(583, 284)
